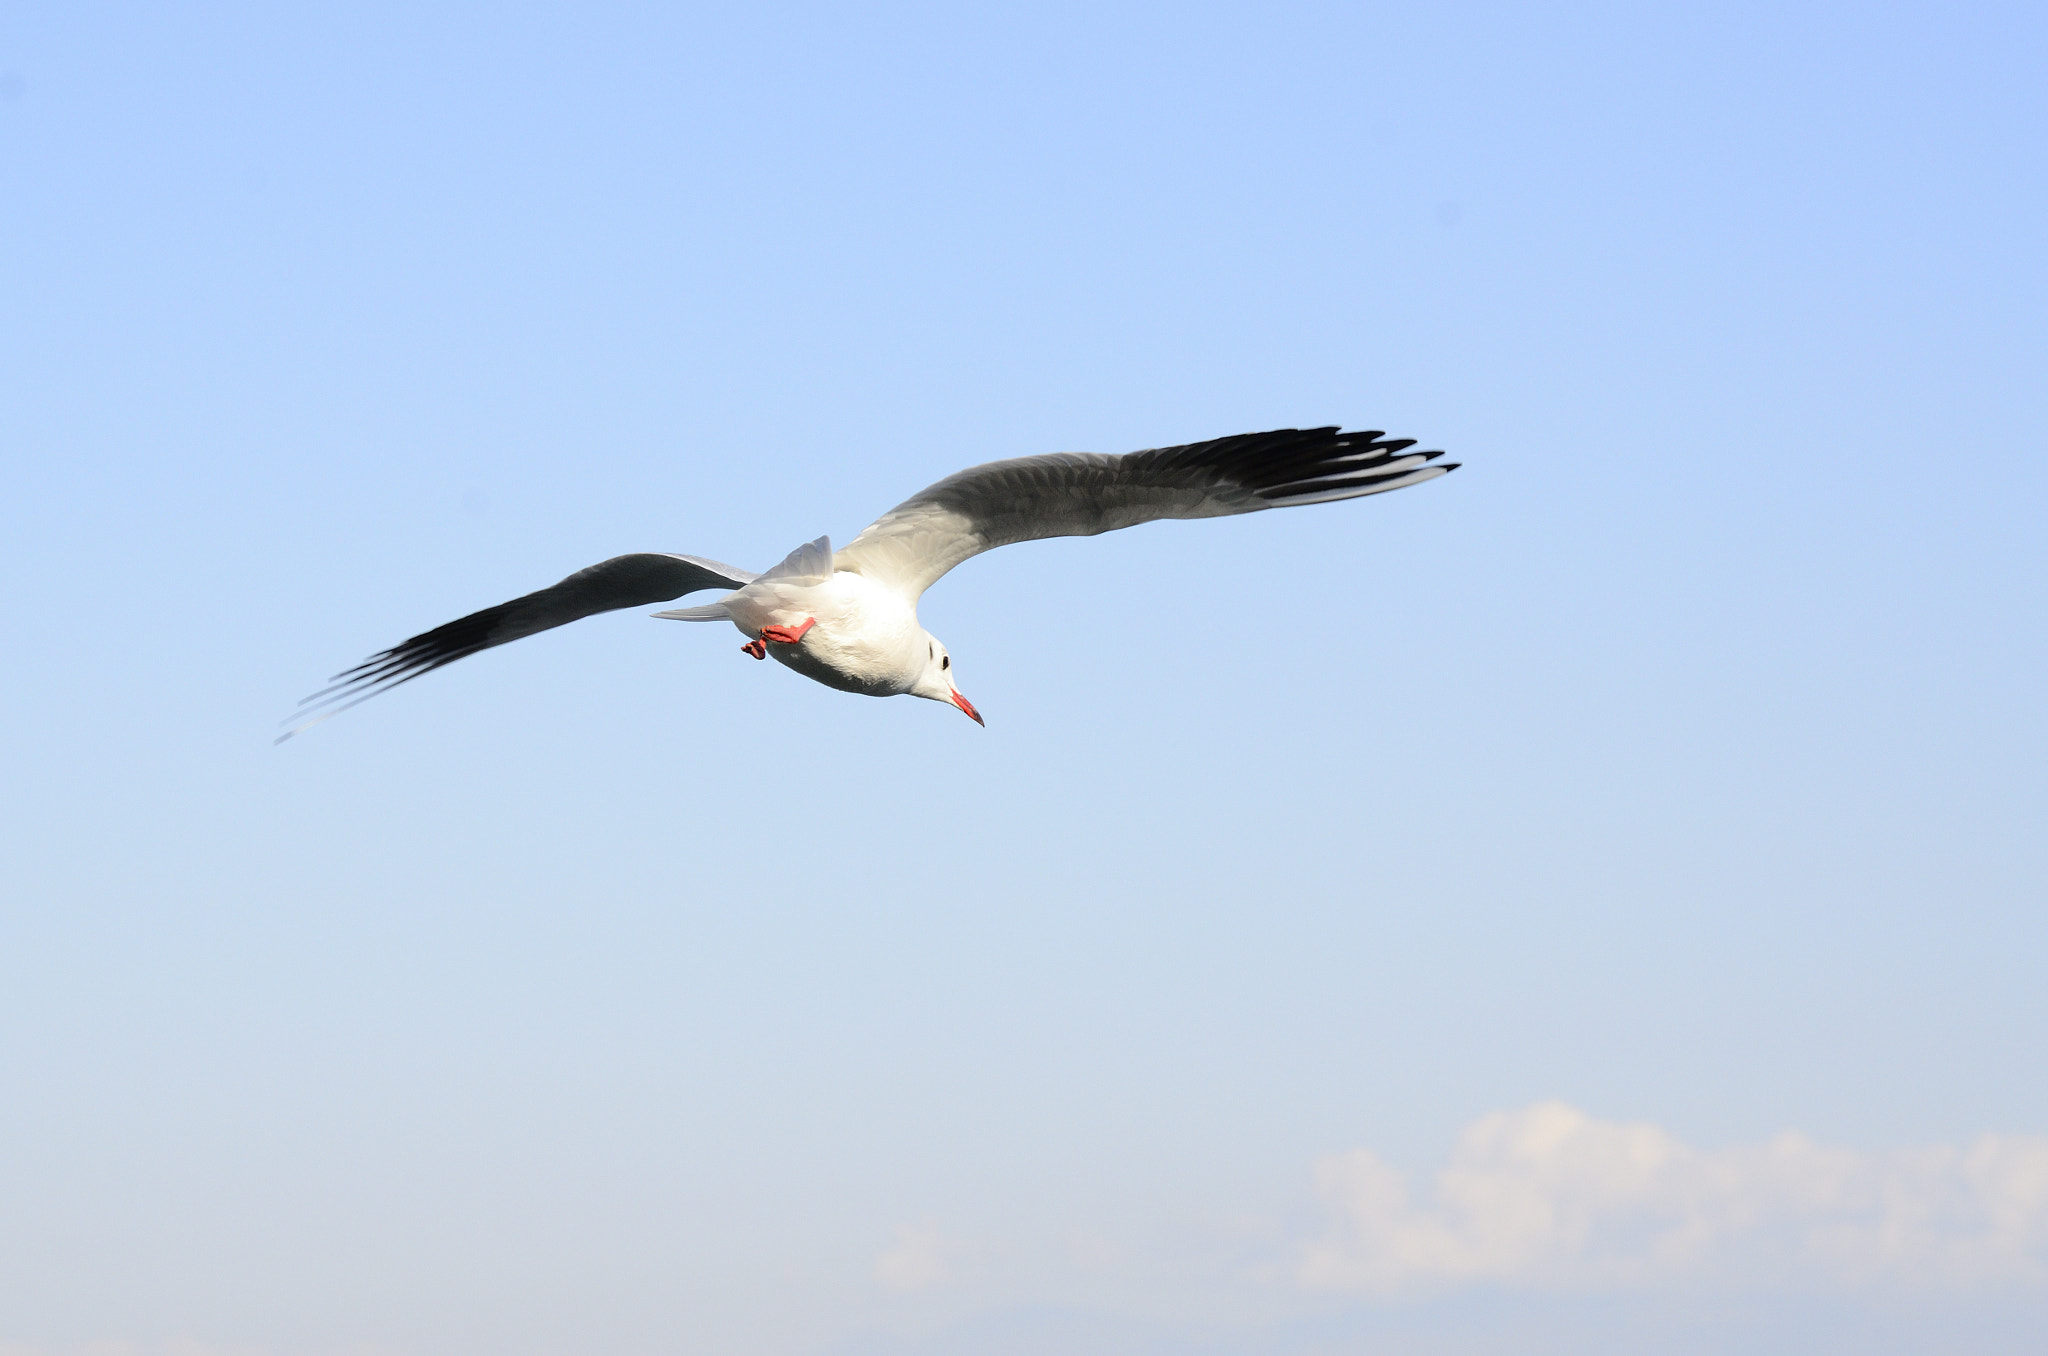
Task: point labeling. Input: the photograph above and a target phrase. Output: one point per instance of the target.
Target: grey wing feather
(1079, 494)
(622, 581)
(812, 560)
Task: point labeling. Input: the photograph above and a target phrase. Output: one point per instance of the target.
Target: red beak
(968, 707)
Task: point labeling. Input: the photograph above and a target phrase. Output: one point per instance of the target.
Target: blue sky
(1571, 902)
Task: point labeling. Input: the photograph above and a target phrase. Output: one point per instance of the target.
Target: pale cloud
(176, 1346)
(917, 1261)
(1548, 1196)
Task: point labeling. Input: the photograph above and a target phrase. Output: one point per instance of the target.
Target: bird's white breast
(866, 638)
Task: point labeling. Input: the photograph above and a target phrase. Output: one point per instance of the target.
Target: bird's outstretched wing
(622, 581)
(1078, 494)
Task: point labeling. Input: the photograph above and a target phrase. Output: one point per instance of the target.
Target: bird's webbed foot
(788, 635)
(755, 648)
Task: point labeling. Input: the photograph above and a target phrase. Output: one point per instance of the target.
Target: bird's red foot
(788, 635)
(755, 648)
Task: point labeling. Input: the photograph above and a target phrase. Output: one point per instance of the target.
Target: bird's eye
(947, 662)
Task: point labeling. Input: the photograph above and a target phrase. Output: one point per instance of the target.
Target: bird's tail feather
(708, 612)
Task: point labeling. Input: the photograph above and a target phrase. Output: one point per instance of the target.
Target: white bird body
(849, 620)
(866, 638)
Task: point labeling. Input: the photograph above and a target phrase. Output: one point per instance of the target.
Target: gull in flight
(849, 619)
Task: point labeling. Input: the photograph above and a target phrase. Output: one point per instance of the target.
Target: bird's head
(937, 679)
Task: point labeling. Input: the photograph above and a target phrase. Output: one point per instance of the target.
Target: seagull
(849, 618)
